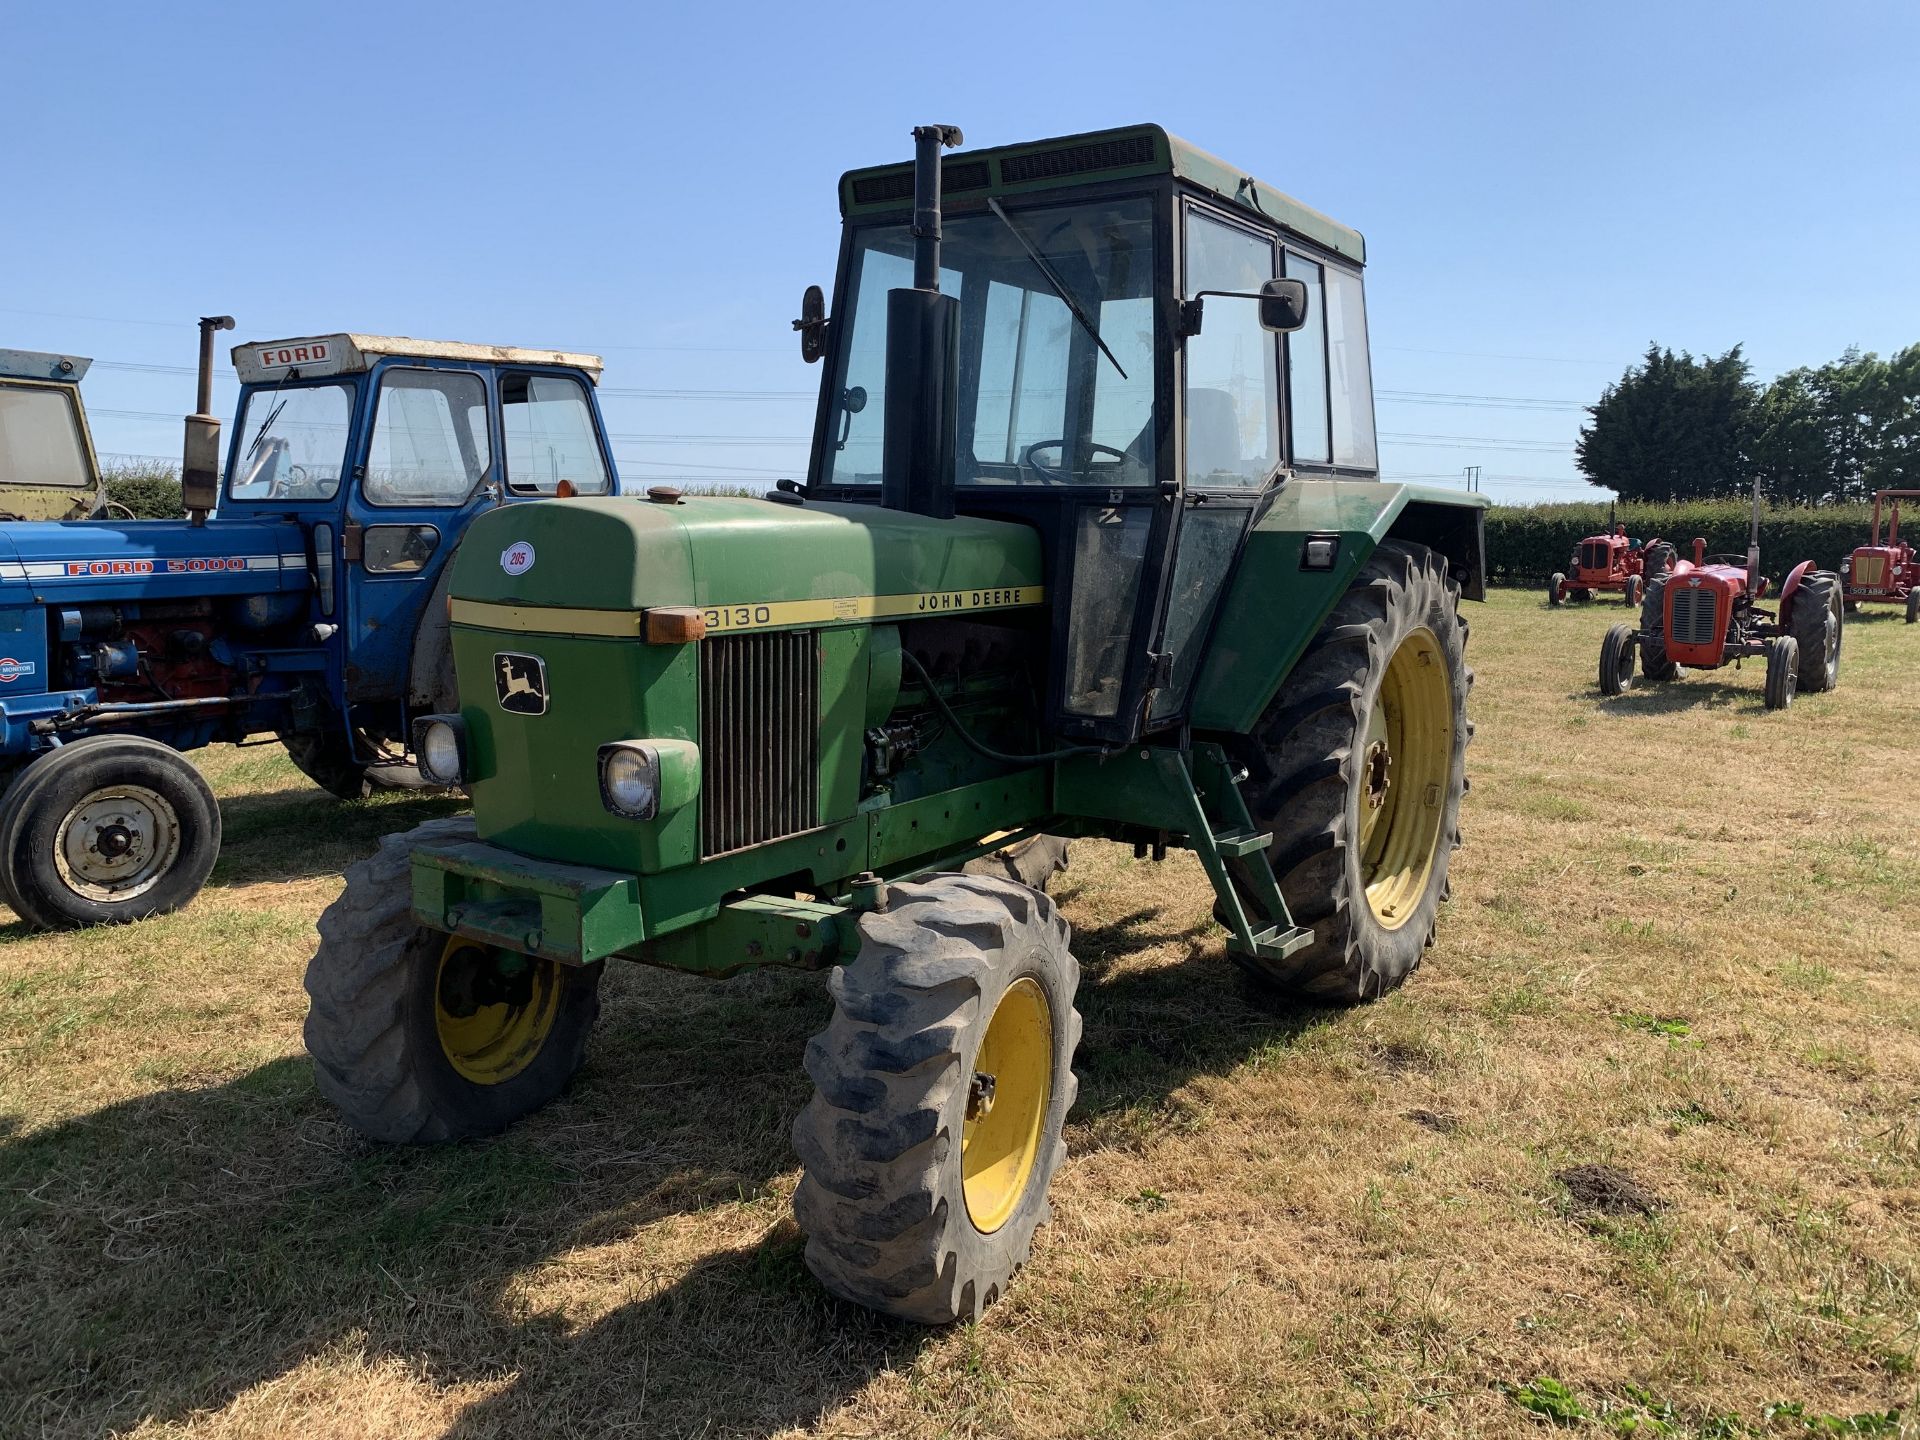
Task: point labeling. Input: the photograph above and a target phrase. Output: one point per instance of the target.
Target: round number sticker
(517, 558)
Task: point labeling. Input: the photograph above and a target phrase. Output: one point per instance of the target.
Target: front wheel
(1913, 606)
(1357, 769)
(1630, 592)
(1816, 623)
(1616, 661)
(106, 830)
(1556, 588)
(420, 1036)
(942, 1086)
(1783, 671)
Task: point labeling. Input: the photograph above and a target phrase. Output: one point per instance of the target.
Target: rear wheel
(1783, 671)
(1654, 663)
(1816, 623)
(1616, 661)
(1555, 584)
(420, 1036)
(106, 830)
(1357, 769)
(942, 1086)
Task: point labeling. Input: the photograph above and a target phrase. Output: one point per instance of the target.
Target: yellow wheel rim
(1009, 1091)
(1406, 773)
(492, 1009)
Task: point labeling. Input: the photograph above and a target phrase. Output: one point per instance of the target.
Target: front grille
(759, 739)
(1870, 570)
(1692, 619)
(1077, 159)
(956, 176)
(1596, 556)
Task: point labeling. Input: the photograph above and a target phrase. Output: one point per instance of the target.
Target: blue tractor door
(444, 441)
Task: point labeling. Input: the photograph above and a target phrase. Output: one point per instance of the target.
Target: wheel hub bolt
(980, 1095)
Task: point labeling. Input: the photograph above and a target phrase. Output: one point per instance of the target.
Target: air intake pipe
(923, 356)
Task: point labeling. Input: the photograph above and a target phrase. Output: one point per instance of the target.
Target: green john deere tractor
(1092, 544)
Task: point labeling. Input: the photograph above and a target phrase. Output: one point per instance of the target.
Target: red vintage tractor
(1886, 570)
(1707, 612)
(1601, 562)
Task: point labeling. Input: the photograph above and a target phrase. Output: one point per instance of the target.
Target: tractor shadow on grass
(1671, 697)
(627, 1254)
(298, 834)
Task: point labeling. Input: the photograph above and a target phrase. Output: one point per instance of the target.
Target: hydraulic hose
(979, 747)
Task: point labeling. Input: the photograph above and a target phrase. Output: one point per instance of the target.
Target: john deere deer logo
(521, 683)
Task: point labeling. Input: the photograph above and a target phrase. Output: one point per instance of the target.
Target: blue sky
(1545, 187)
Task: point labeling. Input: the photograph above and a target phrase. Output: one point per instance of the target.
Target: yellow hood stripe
(763, 615)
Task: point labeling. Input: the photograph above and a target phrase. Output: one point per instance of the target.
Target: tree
(1842, 430)
(1674, 428)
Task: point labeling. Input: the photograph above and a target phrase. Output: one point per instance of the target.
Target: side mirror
(1283, 305)
(812, 324)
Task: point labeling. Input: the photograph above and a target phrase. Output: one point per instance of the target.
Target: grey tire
(375, 985)
(884, 1201)
(1554, 582)
(1307, 779)
(1783, 671)
(1616, 660)
(1913, 606)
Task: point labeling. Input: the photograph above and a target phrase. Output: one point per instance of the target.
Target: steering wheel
(285, 485)
(1065, 477)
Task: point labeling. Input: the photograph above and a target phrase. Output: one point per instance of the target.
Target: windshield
(293, 443)
(40, 440)
(1046, 396)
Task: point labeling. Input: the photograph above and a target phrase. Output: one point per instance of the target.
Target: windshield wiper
(1053, 279)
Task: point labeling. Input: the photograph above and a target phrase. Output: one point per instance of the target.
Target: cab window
(40, 437)
(1233, 366)
(426, 448)
(547, 422)
(1307, 369)
(292, 443)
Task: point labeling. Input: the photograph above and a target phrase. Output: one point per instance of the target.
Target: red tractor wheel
(1630, 593)
(1783, 671)
(1554, 584)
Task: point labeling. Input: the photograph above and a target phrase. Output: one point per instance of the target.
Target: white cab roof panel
(318, 355)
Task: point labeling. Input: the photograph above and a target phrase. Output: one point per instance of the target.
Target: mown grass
(1636, 1152)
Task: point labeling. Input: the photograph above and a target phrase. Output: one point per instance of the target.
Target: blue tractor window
(429, 438)
(293, 443)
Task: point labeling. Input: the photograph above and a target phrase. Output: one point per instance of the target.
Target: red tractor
(1601, 562)
(1707, 612)
(1885, 571)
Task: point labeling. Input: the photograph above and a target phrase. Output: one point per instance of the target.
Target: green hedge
(151, 491)
(1527, 543)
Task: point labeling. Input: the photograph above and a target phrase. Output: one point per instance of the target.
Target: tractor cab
(384, 449)
(48, 470)
(1132, 348)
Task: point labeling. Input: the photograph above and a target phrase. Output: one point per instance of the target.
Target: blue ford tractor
(305, 598)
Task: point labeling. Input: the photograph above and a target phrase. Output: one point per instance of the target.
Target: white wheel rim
(117, 843)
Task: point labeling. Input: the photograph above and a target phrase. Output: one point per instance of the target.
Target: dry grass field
(1637, 1151)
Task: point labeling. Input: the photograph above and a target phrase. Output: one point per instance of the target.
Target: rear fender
(1788, 590)
(1274, 605)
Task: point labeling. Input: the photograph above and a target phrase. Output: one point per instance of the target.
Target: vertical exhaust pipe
(1753, 543)
(200, 459)
(923, 352)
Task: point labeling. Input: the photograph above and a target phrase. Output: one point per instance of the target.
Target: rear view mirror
(812, 324)
(1283, 305)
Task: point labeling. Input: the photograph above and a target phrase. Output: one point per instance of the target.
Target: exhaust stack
(923, 338)
(200, 459)
(1753, 543)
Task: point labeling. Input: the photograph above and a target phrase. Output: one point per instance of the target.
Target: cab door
(430, 462)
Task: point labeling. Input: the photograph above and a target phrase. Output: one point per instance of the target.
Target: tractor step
(1238, 844)
(1277, 942)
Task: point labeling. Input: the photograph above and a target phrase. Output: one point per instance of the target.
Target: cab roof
(42, 365)
(348, 353)
(970, 176)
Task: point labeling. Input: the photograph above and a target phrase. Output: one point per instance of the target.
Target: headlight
(630, 779)
(440, 747)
